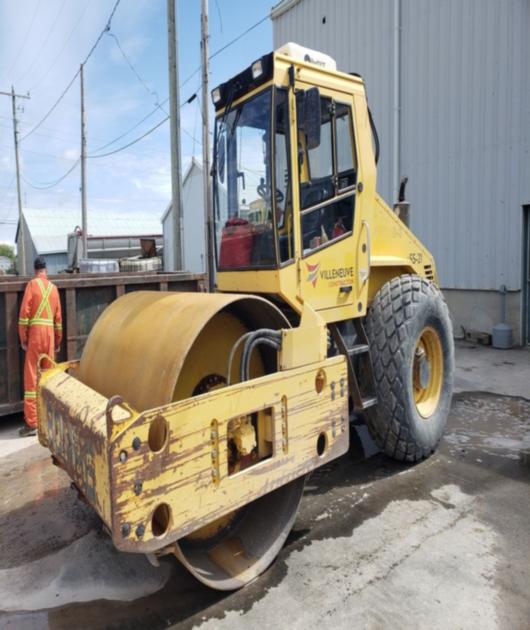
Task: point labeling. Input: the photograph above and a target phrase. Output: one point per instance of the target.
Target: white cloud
(71, 154)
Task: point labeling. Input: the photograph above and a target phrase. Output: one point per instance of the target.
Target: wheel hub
(427, 372)
(422, 369)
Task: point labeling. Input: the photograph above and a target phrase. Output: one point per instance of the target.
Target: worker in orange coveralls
(40, 332)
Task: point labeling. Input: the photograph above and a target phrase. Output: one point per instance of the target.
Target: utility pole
(84, 223)
(174, 122)
(20, 245)
(207, 192)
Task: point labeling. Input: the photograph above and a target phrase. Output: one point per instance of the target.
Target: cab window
(316, 165)
(346, 164)
(242, 186)
(328, 174)
(283, 199)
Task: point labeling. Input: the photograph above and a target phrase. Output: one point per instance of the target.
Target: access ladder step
(370, 401)
(360, 348)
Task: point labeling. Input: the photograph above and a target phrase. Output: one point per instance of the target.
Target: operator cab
(284, 172)
(247, 218)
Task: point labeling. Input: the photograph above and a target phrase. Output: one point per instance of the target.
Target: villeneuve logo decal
(336, 276)
(312, 275)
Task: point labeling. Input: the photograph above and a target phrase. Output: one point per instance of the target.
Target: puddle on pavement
(52, 544)
(491, 425)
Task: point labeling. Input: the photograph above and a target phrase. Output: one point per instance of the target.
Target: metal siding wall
(194, 228)
(55, 263)
(167, 229)
(465, 118)
(464, 127)
(359, 36)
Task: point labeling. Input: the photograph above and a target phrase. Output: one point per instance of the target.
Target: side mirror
(221, 157)
(311, 117)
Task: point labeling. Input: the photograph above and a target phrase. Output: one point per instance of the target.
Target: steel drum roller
(153, 348)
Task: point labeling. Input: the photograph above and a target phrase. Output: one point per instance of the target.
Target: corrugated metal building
(193, 228)
(193, 240)
(46, 234)
(449, 86)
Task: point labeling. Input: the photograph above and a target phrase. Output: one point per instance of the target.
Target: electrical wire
(63, 94)
(220, 16)
(62, 48)
(136, 73)
(126, 146)
(58, 134)
(55, 21)
(240, 36)
(8, 187)
(105, 30)
(47, 185)
(40, 153)
(126, 133)
(185, 82)
(25, 39)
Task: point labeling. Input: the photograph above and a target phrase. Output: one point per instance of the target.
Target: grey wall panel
(358, 35)
(464, 118)
(464, 126)
(55, 263)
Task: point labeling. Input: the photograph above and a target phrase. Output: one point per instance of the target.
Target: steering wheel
(264, 194)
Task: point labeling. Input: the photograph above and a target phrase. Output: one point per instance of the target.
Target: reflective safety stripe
(23, 321)
(30, 394)
(41, 322)
(58, 326)
(44, 302)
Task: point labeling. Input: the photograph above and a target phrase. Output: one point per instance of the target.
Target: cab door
(327, 193)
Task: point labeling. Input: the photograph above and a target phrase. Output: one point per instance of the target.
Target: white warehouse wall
(464, 117)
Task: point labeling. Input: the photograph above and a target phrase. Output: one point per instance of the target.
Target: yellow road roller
(191, 420)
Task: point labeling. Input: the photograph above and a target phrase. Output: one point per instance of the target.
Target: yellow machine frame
(156, 475)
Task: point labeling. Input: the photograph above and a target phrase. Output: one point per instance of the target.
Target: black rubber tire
(401, 309)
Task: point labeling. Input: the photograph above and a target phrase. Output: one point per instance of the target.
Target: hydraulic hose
(251, 339)
(249, 347)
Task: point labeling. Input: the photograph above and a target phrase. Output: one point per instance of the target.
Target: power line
(187, 80)
(8, 187)
(25, 39)
(63, 94)
(104, 30)
(126, 133)
(47, 185)
(59, 134)
(40, 153)
(135, 72)
(55, 21)
(240, 36)
(133, 142)
(219, 14)
(62, 48)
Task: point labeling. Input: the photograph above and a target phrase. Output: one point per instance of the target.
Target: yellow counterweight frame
(159, 475)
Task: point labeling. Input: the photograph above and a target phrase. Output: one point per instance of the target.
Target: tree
(9, 252)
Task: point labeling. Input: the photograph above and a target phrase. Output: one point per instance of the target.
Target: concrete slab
(483, 368)
(443, 544)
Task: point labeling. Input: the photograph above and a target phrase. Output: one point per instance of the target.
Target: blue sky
(41, 45)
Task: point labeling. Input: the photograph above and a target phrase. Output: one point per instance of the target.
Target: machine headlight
(257, 69)
(216, 95)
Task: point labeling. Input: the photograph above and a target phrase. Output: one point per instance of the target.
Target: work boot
(26, 431)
